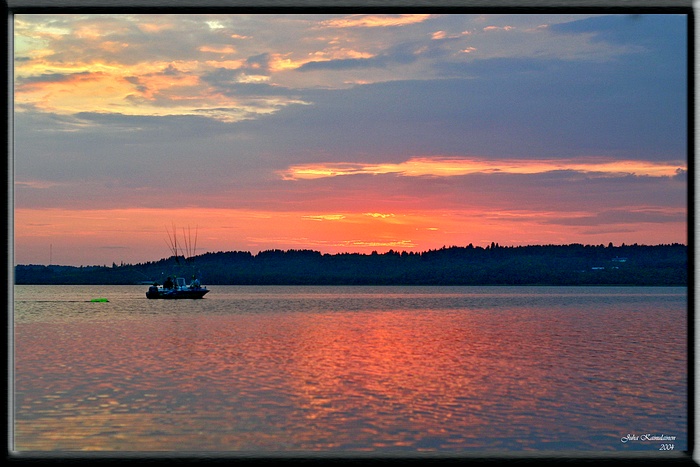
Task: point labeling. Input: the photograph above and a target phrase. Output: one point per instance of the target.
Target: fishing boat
(177, 290)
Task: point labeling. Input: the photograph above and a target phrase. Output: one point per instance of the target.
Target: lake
(349, 370)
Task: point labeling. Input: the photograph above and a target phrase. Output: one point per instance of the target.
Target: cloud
(35, 184)
(22, 81)
(638, 29)
(402, 54)
(681, 175)
(514, 117)
(623, 216)
(397, 55)
(325, 217)
(346, 64)
(498, 28)
(373, 21)
(449, 167)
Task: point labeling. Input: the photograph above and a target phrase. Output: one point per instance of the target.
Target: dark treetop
(575, 264)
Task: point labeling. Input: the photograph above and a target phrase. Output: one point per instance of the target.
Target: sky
(345, 132)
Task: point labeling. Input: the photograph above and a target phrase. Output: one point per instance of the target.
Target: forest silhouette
(574, 264)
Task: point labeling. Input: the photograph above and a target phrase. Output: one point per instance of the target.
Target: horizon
(400, 252)
(346, 133)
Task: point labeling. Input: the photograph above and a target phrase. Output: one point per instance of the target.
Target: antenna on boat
(190, 246)
(196, 230)
(172, 242)
(188, 242)
(186, 251)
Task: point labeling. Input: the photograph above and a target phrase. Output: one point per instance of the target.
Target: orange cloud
(230, 64)
(373, 21)
(360, 244)
(77, 92)
(498, 28)
(142, 89)
(152, 89)
(437, 35)
(113, 46)
(445, 167)
(218, 50)
(154, 27)
(281, 62)
(325, 217)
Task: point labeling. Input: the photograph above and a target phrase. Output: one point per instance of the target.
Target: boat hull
(172, 294)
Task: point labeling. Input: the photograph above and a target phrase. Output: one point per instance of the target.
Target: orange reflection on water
(378, 376)
(389, 380)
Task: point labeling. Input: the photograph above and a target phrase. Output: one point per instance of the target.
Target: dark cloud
(346, 64)
(621, 216)
(170, 70)
(501, 68)
(526, 192)
(260, 64)
(681, 175)
(400, 54)
(658, 31)
(567, 112)
(50, 77)
(227, 81)
(145, 128)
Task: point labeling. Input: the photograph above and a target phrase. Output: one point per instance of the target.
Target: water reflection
(525, 374)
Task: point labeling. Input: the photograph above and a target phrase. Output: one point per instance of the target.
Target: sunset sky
(345, 132)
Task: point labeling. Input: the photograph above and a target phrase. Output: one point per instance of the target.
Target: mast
(190, 248)
(172, 242)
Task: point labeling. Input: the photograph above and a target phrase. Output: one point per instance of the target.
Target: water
(441, 370)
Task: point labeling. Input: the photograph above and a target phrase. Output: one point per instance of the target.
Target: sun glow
(102, 236)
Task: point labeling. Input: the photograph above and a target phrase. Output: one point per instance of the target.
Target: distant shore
(574, 264)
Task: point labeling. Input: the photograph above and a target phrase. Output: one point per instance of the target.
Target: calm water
(351, 369)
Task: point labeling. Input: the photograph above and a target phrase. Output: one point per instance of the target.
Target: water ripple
(392, 370)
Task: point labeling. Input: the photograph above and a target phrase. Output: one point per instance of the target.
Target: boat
(177, 290)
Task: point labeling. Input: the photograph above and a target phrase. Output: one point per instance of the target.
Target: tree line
(573, 264)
